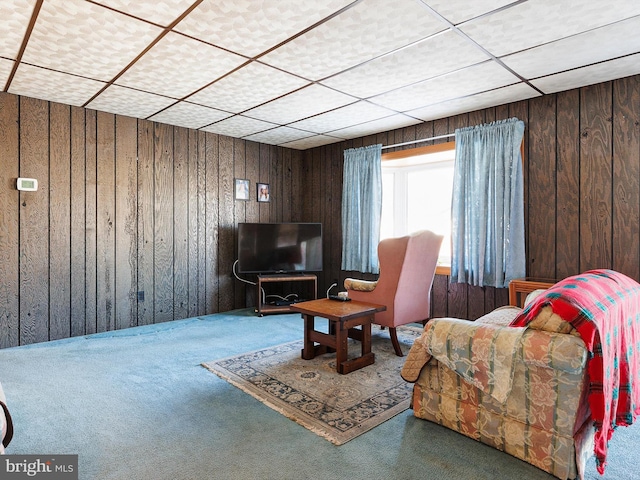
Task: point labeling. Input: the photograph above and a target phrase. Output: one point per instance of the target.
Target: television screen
(279, 247)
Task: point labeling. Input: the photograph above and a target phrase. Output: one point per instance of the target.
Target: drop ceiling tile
(468, 81)
(248, 87)
(239, 126)
(434, 56)
(354, 37)
(278, 136)
(359, 112)
(160, 12)
(188, 115)
(79, 37)
(15, 15)
(177, 66)
(381, 125)
(5, 70)
(500, 96)
(597, 45)
(580, 77)
(457, 12)
(311, 142)
(54, 86)
(245, 29)
(300, 104)
(512, 30)
(129, 102)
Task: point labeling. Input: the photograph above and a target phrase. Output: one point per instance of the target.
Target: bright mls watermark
(50, 467)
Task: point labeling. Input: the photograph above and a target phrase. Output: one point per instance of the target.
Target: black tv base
(266, 308)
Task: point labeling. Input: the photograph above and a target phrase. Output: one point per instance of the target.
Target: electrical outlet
(141, 296)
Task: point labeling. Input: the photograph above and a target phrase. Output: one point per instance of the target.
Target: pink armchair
(407, 268)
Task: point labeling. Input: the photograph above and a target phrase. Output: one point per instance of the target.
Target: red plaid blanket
(604, 307)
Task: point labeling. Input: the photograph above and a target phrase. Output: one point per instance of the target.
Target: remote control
(339, 298)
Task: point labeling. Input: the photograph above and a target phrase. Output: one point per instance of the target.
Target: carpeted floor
(137, 404)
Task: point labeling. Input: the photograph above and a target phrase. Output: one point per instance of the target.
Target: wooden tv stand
(263, 308)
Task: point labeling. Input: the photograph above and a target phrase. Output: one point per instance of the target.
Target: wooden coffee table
(343, 318)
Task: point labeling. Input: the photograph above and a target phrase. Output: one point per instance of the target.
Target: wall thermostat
(27, 184)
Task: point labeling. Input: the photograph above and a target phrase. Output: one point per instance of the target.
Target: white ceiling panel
(239, 126)
(359, 112)
(160, 12)
(300, 104)
(176, 66)
(435, 56)
(278, 135)
(188, 115)
(248, 87)
(79, 37)
(461, 11)
(395, 121)
(536, 22)
(15, 15)
(469, 81)
(242, 67)
(500, 96)
(354, 37)
(129, 102)
(54, 86)
(580, 77)
(5, 70)
(597, 45)
(311, 142)
(244, 27)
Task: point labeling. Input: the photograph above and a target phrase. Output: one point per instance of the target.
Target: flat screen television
(279, 247)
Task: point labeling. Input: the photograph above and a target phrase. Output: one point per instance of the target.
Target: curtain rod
(419, 141)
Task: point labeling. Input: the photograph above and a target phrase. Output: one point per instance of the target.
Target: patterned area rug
(311, 392)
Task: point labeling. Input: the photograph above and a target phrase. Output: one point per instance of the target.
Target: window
(416, 193)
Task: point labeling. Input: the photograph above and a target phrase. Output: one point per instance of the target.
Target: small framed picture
(242, 189)
(263, 192)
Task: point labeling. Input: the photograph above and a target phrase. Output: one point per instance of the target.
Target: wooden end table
(519, 288)
(343, 318)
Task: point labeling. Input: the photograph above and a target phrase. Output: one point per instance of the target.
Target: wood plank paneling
(34, 222)
(146, 228)
(91, 267)
(542, 187)
(105, 219)
(181, 222)
(226, 224)
(126, 211)
(60, 221)
(567, 184)
(214, 197)
(9, 218)
(596, 177)
(163, 224)
(78, 222)
(626, 177)
(193, 238)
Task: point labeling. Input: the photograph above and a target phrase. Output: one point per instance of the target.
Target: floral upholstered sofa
(523, 390)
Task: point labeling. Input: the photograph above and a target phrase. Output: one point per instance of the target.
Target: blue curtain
(487, 212)
(361, 208)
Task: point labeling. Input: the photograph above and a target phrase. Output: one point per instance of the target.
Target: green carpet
(137, 404)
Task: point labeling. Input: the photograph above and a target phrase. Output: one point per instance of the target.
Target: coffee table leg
(308, 350)
(366, 336)
(342, 345)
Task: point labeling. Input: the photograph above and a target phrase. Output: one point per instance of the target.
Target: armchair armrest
(360, 285)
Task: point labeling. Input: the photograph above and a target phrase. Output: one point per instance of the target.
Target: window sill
(443, 270)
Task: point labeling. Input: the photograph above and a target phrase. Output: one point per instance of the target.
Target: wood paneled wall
(133, 222)
(582, 192)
